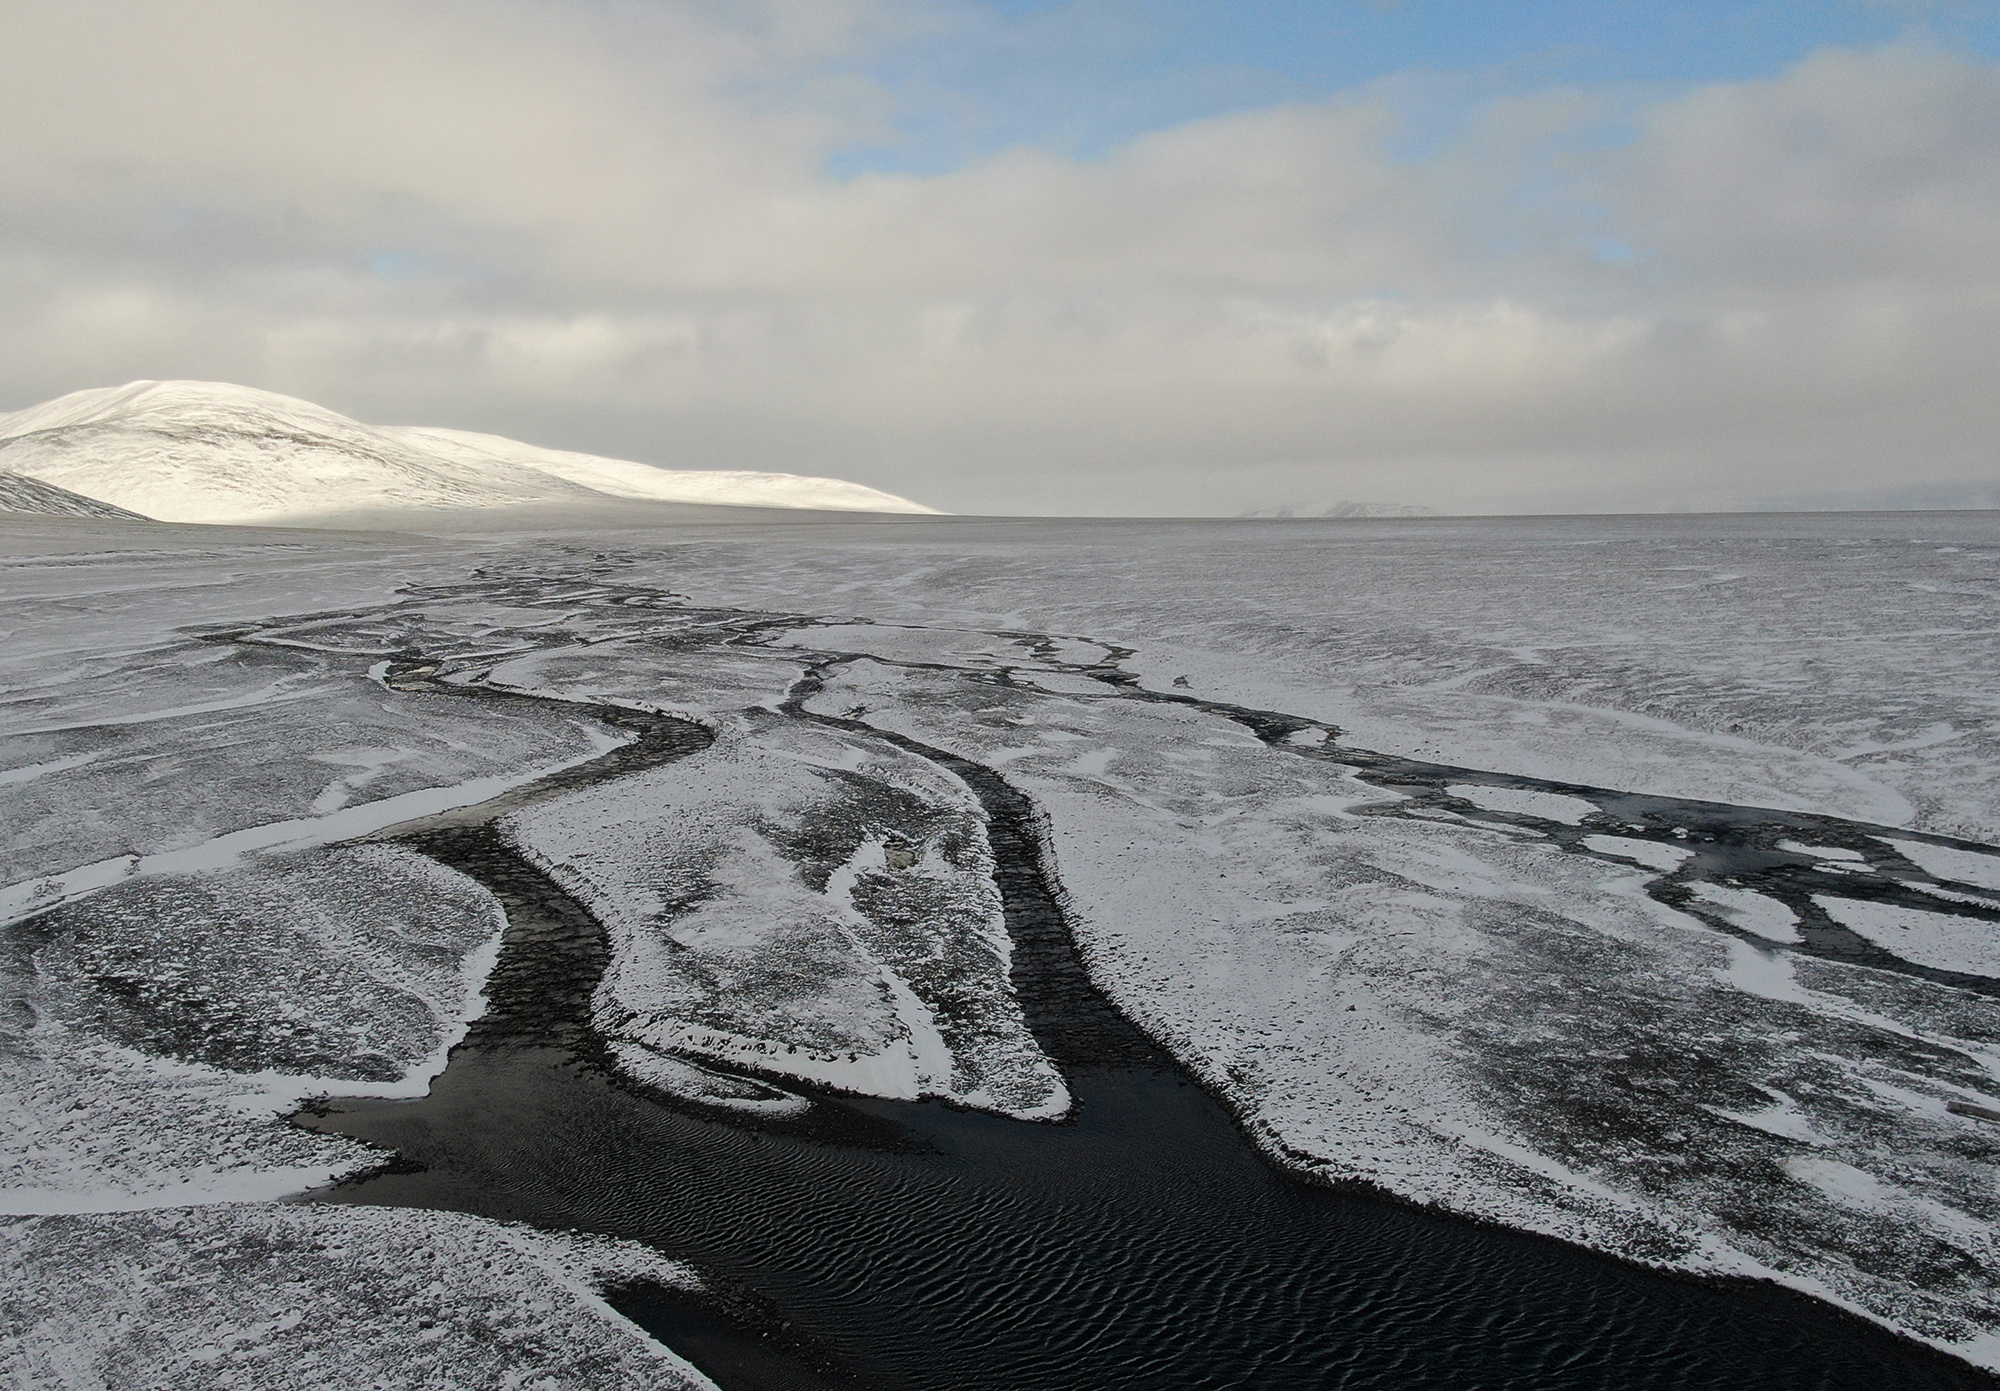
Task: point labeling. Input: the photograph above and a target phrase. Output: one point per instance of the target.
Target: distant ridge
(1377, 509)
(1342, 509)
(20, 493)
(213, 452)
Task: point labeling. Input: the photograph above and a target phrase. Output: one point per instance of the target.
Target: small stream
(1144, 1243)
(1746, 847)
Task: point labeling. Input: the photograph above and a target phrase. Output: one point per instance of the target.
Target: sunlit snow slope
(212, 452)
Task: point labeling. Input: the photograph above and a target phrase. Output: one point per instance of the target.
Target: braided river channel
(1141, 1243)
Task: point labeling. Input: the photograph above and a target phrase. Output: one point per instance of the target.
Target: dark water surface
(1144, 1244)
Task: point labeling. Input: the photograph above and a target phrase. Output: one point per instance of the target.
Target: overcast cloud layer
(610, 227)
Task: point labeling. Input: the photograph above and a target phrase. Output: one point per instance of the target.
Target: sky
(1049, 256)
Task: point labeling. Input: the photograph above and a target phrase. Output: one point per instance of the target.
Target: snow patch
(1753, 912)
(1652, 854)
(1937, 940)
(1945, 862)
(1550, 806)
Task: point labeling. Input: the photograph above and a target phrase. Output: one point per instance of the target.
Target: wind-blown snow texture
(212, 452)
(309, 1297)
(1530, 1004)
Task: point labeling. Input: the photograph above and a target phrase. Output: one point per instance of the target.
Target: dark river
(1143, 1244)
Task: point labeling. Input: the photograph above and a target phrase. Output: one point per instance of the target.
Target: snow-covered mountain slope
(622, 478)
(212, 452)
(19, 493)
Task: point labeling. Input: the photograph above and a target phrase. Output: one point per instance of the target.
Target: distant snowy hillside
(621, 478)
(212, 452)
(1377, 509)
(1289, 511)
(19, 493)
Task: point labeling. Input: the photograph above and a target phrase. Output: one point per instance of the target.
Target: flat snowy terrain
(1626, 880)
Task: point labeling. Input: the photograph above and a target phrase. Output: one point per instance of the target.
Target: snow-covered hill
(212, 452)
(1377, 510)
(19, 493)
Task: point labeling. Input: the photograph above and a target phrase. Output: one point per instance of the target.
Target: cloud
(1853, 168)
(609, 226)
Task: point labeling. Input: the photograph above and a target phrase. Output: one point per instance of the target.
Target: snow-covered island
(1626, 881)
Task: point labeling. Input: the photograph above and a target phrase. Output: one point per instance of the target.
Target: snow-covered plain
(1472, 1000)
(1838, 662)
(213, 452)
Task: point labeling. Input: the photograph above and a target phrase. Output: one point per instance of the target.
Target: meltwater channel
(1143, 1244)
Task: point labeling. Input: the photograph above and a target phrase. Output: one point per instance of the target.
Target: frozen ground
(269, 1297)
(1411, 925)
(193, 941)
(1840, 662)
(758, 919)
(1467, 1014)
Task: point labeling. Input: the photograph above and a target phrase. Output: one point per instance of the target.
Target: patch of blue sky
(1083, 77)
(396, 265)
(403, 271)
